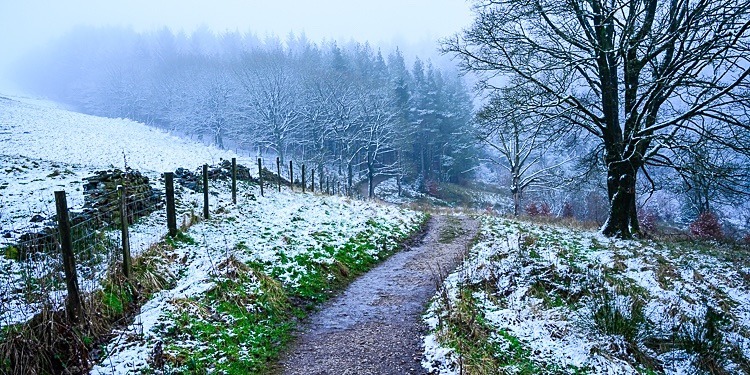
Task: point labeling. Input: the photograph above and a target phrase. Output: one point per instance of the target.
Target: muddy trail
(374, 326)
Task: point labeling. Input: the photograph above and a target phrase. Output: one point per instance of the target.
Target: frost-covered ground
(543, 299)
(284, 239)
(235, 282)
(44, 148)
(474, 196)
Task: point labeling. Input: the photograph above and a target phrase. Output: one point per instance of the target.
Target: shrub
(707, 226)
(532, 210)
(432, 188)
(567, 211)
(648, 219)
(544, 209)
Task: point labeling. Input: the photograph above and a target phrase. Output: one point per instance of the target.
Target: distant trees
(646, 78)
(343, 107)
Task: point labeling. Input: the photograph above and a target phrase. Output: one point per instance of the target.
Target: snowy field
(552, 300)
(44, 148)
(292, 246)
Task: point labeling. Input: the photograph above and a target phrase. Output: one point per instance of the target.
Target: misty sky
(29, 24)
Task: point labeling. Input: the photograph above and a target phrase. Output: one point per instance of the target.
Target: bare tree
(521, 142)
(637, 74)
(271, 98)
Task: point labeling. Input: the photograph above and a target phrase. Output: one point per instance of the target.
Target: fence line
(85, 245)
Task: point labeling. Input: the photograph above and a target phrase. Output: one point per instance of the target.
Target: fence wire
(31, 268)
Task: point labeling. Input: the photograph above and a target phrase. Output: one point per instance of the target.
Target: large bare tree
(641, 75)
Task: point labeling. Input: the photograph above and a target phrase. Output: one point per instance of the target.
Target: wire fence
(123, 215)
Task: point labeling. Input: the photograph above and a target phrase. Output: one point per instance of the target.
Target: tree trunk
(370, 174)
(349, 177)
(622, 221)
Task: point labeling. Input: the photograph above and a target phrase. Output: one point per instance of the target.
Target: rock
(37, 219)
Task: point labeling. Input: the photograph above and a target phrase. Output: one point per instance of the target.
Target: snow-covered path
(374, 326)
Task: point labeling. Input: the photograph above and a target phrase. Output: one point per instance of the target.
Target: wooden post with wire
(291, 176)
(278, 173)
(303, 178)
(234, 180)
(205, 192)
(127, 262)
(171, 214)
(73, 302)
(260, 175)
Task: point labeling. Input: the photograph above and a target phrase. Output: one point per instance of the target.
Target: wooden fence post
(278, 173)
(205, 192)
(234, 180)
(73, 302)
(291, 176)
(303, 178)
(321, 180)
(312, 178)
(171, 215)
(260, 175)
(127, 268)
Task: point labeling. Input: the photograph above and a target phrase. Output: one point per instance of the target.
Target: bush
(532, 210)
(544, 209)
(707, 226)
(648, 219)
(538, 209)
(567, 211)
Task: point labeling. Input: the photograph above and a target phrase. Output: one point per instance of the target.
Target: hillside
(543, 299)
(227, 288)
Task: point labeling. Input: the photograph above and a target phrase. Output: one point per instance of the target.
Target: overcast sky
(30, 24)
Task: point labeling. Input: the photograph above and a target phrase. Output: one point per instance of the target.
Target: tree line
(349, 108)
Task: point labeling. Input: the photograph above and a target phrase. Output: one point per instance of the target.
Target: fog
(413, 25)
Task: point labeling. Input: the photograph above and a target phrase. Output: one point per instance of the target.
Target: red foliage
(707, 226)
(648, 219)
(538, 209)
(747, 239)
(544, 209)
(532, 210)
(567, 210)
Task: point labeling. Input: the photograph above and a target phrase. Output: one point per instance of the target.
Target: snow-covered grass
(474, 195)
(44, 148)
(243, 275)
(543, 299)
(231, 287)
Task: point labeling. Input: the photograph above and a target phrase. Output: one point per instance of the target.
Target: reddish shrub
(544, 209)
(707, 226)
(648, 219)
(538, 209)
(432, 188)
(567, 210)
(532, 210)
(747, 239)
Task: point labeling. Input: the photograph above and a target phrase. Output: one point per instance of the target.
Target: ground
(374, 326)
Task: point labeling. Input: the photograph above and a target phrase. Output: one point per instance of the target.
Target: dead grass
(50, 344)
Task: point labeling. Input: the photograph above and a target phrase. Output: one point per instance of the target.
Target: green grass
(483, 349)
(241, 325)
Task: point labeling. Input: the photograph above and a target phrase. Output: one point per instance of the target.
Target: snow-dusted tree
(271, 98)
(519, 142)
(635, 74)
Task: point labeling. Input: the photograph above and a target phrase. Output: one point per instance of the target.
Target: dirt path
(374, 327)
